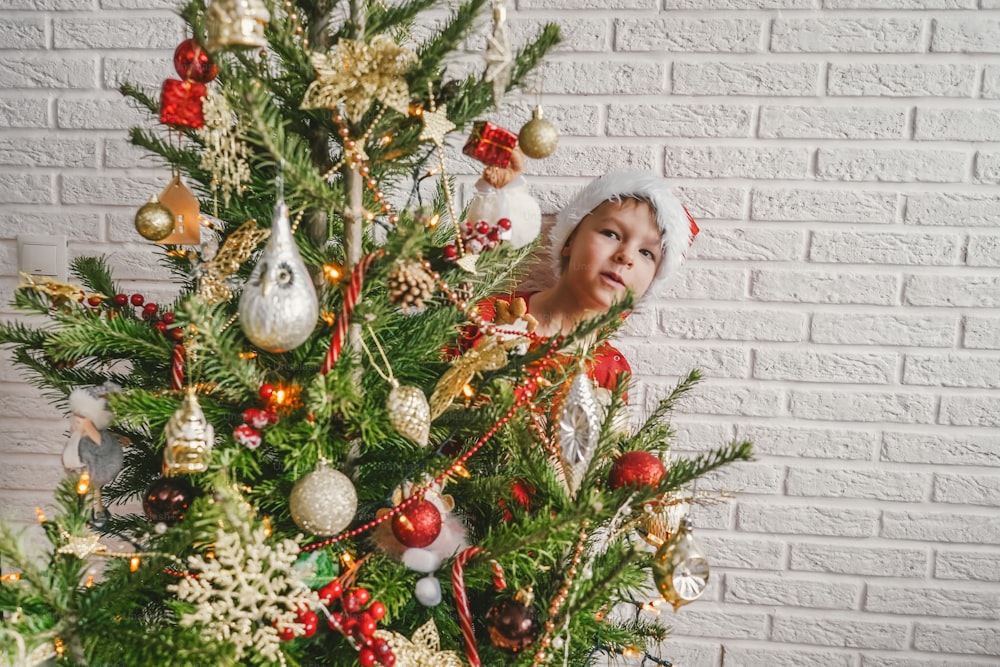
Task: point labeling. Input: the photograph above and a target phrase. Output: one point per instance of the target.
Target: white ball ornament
(428, 591)
(324, 501)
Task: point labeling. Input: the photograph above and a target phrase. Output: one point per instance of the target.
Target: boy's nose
(624, 256)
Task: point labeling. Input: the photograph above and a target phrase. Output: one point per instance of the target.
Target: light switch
(42, 255)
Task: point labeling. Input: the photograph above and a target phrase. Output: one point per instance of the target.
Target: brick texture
(841, 157)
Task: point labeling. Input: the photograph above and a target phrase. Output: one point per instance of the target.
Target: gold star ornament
(355, 71)
(82, 546)
(436, 125)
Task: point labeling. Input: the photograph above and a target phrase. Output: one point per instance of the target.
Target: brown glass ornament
(166, 500)
(513, 625)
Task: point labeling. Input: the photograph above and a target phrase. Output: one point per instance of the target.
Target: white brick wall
(842, 158)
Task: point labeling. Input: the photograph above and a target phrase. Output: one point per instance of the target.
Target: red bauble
(513, 626)
(167, 499)
(418, 525)
(137, 299)
(180, 103)
(636, 469)
(193, 62)
(121, 300)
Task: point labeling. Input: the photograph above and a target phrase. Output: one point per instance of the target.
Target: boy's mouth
(613, 277)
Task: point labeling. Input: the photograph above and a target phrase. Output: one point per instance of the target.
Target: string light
(83, 484)
(329, 318)
(60, 647)
(347, 560)
(40, 515)
(11, 577)
(333, 272)
(248, 355)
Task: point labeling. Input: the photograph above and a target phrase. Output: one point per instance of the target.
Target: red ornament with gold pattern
(490, 144)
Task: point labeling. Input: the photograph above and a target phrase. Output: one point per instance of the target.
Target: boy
(623, 231)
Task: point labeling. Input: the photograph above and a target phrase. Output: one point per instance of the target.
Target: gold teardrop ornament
(410, 413)
(680, 568)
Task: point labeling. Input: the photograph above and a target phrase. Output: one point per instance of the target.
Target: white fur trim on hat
(671, 217)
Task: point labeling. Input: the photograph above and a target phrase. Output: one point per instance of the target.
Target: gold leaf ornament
(236, 250)
(489, 355)
(354, 72)
(58, 292)
(423, 650)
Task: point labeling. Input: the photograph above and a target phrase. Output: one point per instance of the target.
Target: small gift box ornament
(490, 144)
(180, 103)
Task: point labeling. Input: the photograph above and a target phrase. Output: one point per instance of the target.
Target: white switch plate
(42, 255)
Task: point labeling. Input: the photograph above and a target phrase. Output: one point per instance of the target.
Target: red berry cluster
(480, 236)
(150, 312)
(309, 621)
(358, 619)
(254, 419)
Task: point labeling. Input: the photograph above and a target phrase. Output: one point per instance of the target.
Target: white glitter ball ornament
(324, 501)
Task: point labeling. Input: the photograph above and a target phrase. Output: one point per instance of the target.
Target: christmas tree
(339, 461)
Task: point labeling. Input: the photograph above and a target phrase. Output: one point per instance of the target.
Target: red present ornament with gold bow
(180, 103)
(490, 144)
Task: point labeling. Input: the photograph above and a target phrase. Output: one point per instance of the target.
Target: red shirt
(607, 360)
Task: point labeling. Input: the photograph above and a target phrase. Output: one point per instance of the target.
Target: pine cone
(410, 285)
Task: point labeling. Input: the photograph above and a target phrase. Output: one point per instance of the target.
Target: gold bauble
(539, 137)
(410, 413)
(154, 220)
(680, 568)
(324, 501)
(189, 439)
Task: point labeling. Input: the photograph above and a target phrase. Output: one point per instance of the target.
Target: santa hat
(677, 227)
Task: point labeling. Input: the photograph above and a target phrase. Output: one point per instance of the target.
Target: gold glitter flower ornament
(355, 71)
(424, 650)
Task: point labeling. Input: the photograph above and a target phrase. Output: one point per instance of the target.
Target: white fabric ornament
(514, 202)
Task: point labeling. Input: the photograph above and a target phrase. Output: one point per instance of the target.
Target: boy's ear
(569, 240)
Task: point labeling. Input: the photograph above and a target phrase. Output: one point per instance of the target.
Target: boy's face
(614, 248)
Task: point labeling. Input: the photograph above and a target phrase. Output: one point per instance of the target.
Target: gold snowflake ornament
(354, 72)
(423, 650)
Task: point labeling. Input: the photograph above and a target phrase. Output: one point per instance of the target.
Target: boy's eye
(610, 233)
(648, 253)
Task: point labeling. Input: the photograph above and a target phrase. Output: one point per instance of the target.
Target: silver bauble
(539, 137)
(323, 502)
(579, 429)
(279, 308)
(680, 568)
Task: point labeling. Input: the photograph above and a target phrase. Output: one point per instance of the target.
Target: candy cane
(177, 368)
(462, 602)
(343, 322)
